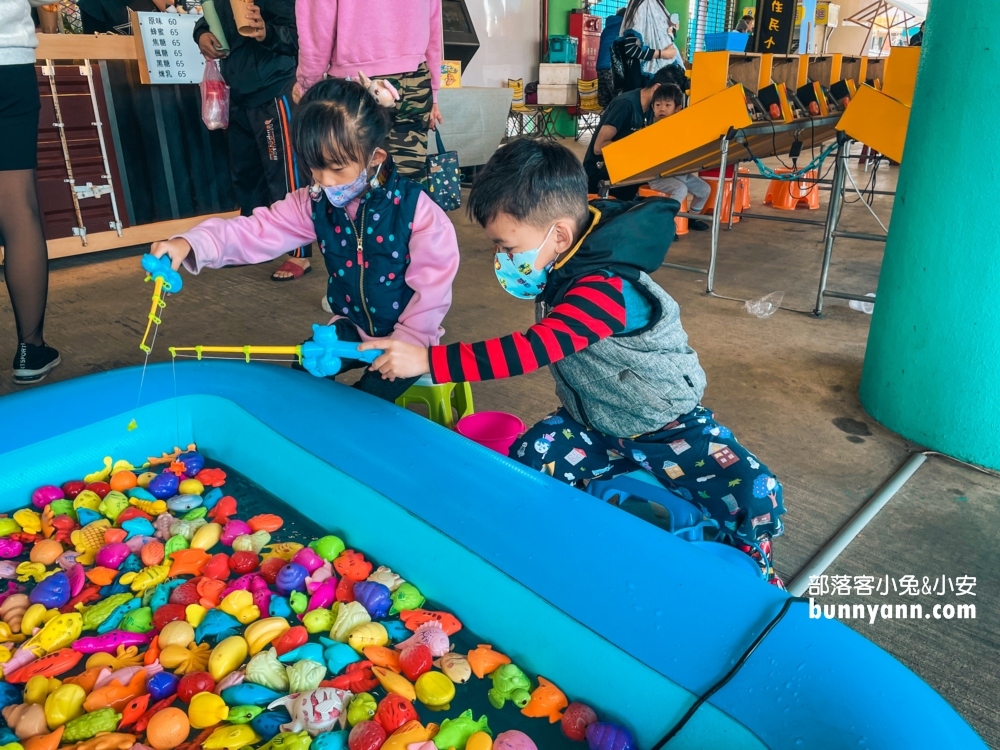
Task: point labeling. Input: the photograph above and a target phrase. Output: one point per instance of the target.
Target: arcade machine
(460, 39)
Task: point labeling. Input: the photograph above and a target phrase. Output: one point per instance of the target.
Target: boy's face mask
(517, 274)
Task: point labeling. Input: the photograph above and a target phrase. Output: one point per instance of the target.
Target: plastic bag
(214, 97)
(866, 307)
(766, 306)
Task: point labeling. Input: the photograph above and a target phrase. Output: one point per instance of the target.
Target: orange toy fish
(414, 618)
(113, 536)
(115, 695)
(133, 710)
(152, 651)
(265, 522)
(381, 656)
(188, 562)
(106, 741)
(483, 660)
(44, 741)
(86, 679)
(51, 665)
(547, 702)
(102, 576)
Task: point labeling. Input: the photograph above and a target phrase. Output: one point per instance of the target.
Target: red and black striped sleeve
(592, 309)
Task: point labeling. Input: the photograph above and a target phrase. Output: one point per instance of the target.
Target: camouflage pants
(408, 137)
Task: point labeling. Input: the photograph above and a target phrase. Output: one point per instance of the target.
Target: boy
(667, 100)
(626, 114)
(629, 384)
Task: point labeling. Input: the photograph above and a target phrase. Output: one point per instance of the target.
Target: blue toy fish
(251, 694)
(138, 527)
(217, 625)
(279, 607)
(331, 741)
(211, 497)
(140, 493)
(160, 596)
(396, 630)
(268, 724)
(338, 655)
(117, 615)
(311, 651)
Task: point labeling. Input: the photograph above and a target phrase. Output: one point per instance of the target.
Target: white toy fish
(315, 711)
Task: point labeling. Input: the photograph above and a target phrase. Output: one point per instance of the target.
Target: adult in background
(917, 39)
(650, 19)
(745, 25)
(396, 40)
(105, 16)
(260, 72)
(605, 76)
(26, 260)
(628, 113)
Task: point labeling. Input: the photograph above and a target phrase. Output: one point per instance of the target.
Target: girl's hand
(399, 360)
(436, 118)
(177, 250)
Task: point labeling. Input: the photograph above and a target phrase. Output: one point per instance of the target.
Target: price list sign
(168, 48)
(774, 26)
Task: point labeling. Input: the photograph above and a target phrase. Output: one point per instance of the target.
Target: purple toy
(52, 592)
(291, 577)
(77, 579)
(193, 462)
(10, 547)
(308, 559)
(112, 555)
(45, 495)
(513, 740)
(375, 598)
(109, 642)
(233, 529)
(164, 485)
(604, 736)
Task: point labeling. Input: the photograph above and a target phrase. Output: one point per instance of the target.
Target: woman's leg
(408, 137)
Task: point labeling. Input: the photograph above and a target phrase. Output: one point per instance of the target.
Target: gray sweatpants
(680, 187)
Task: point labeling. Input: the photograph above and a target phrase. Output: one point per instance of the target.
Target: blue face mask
(341, 195)
(517, 274)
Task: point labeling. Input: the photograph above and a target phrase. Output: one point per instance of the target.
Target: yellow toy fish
(152, 507)
(231, 737)
(284, 550)
(101, 475)
(89, 539)
(59, 632)
(29, 520)
(146, 578)
(395, 683)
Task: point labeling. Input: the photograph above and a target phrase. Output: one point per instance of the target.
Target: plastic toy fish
(109, 642)
(207, 709)
(305, 675)
(249, 694)
(456, 732)
(455, 666)
(231, 738)
(314, 711)
(509, 684)
(547, 701)
(337, 655)
(98, 613)
(604, 736)
(146, 578)
(406, 597)
(243, 714)
(310, 651)
(483, 660)
(351, 564)
(138, 621)
(216, 626)
(382, 656)
(50, 665)
(58, 633)
(429, 634)
(116, 695)
(394, 711)
(133, 710)
(368, 634)
(414, 618)
(395, 683)
(513, 739)
(117, 615)
(347, 618)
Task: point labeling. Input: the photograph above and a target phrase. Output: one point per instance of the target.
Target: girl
(391, 254)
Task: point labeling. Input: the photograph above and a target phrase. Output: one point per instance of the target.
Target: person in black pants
(26, 261)
(260, 72)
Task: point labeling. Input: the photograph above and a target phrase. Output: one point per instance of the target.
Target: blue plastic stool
(639, 493)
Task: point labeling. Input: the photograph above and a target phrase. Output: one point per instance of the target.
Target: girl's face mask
(517, 274)
(341, 195)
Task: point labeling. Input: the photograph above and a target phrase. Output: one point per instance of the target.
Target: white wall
(508, 41)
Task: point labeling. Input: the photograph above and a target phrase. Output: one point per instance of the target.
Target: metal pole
(85, 70)
(717, 212)
(836, 200)
(81, 230)
(833, 548)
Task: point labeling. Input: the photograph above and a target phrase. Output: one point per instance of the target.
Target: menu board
(168, 47)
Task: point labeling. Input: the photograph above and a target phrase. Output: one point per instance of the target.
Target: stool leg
(462, 398)
(440, 408)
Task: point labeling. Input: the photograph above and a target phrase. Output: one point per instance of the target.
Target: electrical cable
(730, 674)
(870, 209)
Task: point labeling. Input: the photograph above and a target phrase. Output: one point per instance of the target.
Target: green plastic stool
(440, 399)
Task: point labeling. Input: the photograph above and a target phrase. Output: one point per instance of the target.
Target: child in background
(667, 100)
(629, 384)
(391, 254)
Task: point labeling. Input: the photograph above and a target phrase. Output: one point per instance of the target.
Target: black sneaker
(32, 363)
(698, 225)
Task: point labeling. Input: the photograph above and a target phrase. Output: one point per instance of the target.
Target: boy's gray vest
(631, 384)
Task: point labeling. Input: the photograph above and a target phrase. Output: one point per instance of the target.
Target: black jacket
(258, 71)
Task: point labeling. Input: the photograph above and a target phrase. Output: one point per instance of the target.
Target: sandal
(296, 271)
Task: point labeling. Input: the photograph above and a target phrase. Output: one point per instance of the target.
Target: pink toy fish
(261, 593)
(430, 634)
(231, 680)
(513, 740)
(109, 642)
(308, 559)
(315, 711)
(10, 547)
(233, 529)
(20, 658)
(77, 579)
(323, 596)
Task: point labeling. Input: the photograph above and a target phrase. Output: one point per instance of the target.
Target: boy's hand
(399, 360)
(177, 249)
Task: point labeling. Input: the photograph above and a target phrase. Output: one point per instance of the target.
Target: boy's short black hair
(535, 182)
(670, 74)
(669, 92)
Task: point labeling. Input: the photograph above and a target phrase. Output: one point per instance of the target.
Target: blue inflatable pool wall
(616, 612)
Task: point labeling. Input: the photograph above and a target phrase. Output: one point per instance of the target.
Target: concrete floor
(787, 386)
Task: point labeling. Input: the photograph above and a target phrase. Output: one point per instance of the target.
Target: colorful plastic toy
(265, 669)
(207, 709)
(435, 691)
(416, 660)
(91, 724)
(230, 737)
(406, 597)
(26, 719)
(361, 708)
(509, 684)
(305, 675)
(374, 597)
(395, 683)
(394, 711)
(547, 701)
(346, 618)
(368, 634)
(604, 736)
(261, 633)
(167, 729)
(414, 618)
(165, 279)
(429, 634)
(456, 732)
(368, 735)
(314, 711)
(513, 739)
(227, 656)
(483, 660)
(455, 666)
(321, 355)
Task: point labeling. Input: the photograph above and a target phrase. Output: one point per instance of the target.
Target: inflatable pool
(619, 614)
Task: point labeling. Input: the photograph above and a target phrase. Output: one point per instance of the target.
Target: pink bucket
(496, 430)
